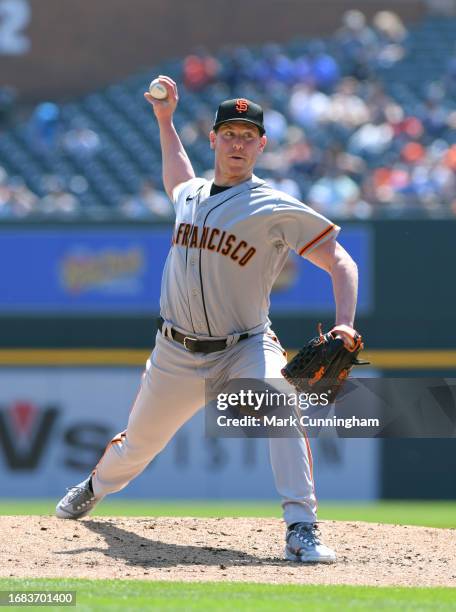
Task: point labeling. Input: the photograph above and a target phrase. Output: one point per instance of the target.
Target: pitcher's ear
(263, 142)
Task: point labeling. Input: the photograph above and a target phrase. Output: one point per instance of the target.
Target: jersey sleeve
(300, 227)
(188, 188)
(179, 190)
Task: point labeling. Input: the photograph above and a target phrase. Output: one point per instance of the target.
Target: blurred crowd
(17, 201)
(343, 135)
(337, 138)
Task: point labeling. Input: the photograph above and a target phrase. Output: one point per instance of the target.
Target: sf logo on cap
(242, 106)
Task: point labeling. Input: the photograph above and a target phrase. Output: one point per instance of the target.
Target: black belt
(198, 346)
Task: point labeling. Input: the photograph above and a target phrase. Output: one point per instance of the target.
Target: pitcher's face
(237, 145)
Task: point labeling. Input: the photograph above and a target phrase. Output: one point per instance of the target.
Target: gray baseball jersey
(227, 250)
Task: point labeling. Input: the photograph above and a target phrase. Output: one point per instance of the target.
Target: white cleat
(303, 545)
(78, 502)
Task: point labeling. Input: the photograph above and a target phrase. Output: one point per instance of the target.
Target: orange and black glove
(325, 362)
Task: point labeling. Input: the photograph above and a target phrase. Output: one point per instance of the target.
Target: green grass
(229, 596)
(124, 507)
(426, 513)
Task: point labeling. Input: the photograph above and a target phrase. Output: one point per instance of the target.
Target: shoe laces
(307, 533)
(73, 492)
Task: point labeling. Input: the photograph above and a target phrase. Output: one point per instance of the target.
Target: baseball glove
(325, 362)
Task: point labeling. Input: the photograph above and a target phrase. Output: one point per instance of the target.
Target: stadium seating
(128, 149)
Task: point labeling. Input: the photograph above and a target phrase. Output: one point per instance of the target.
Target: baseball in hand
(157, 90)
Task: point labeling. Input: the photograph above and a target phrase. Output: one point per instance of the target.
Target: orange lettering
(228, 244)
(185, 235)
(179, 231)
(203, 240)
(194, 239)
(242, 105)
(247, 257)
(220, 241)
(242, 244)
(214, 233)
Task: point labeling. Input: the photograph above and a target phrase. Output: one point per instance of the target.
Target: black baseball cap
(240, 109)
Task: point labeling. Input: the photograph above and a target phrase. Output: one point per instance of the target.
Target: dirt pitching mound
(221, 549)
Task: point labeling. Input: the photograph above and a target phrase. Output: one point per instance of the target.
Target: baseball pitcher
(231, 238)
